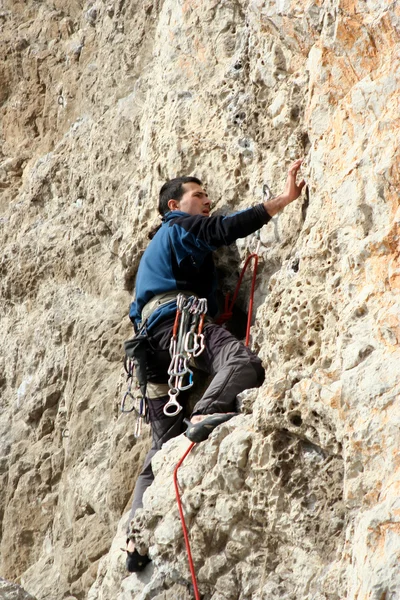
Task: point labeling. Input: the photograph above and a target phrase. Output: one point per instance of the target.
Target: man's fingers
(294, 189)
(301, 184)
(295, 167)
(297, 163)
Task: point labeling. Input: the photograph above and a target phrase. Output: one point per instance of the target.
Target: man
(179, 259)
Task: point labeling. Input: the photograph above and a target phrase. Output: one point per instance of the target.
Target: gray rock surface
(298, 498)
(12, 591)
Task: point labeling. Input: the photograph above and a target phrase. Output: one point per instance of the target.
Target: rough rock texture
(100, 103)
(11, 591)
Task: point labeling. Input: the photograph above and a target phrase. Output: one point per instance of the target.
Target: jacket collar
(173, 214)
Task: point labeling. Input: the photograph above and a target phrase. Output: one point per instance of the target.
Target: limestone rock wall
(100, 103)
(11, 591)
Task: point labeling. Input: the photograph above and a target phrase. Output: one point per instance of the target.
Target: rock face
(11, 591)
(298, 498)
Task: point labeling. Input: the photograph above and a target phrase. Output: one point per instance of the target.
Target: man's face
(194, 201)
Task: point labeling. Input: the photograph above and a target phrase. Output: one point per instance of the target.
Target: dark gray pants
(234, 367)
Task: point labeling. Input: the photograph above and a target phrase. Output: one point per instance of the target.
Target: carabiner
(138, 427)
(203, 306)
(129, 366)
(181, 387)
(172, 347)
(180, 301)
(172, 408)
(132, 397)
(266, 192)
(178, 366)
(190, 342)
(199, 345)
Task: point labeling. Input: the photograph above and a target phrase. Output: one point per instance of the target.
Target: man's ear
(173, 204)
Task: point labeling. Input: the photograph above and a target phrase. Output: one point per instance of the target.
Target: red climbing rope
(222, 319)
(184, 528)
(251, 301)
(227, 314)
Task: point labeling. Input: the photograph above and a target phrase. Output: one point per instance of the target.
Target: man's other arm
(209, 233)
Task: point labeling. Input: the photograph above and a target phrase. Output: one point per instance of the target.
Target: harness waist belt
(156, 390)
(160, 300)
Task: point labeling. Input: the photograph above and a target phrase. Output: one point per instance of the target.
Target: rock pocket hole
(296, 419)
(294, 113)
(305, 142)
(295, 265)
(305, 204)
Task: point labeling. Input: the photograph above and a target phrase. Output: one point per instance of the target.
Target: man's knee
(257, 371)
(260, 371)
(248, 362)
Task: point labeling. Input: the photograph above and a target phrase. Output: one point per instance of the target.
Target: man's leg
(234, 366)
(163, 429)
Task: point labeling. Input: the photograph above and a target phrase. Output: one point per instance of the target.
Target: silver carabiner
(172, 408)
(180, 301)
(172, 347)
(190, 338)
(181, 387)
(199, 345)
(203, 305)
(178, 366)
(138, 427)
(171, 368)
(266, 192)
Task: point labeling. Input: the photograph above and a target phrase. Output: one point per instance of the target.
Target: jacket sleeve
(213, 232)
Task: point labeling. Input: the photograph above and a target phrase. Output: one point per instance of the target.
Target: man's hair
(173, 190)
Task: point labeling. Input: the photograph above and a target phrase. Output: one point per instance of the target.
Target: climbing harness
(187, 342)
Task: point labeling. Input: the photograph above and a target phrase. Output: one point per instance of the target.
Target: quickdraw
(187, 341)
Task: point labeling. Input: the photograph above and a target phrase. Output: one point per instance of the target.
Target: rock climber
(179, 259)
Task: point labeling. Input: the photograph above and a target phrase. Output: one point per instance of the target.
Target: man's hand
(291, 192)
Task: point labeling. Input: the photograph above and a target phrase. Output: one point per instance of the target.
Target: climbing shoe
(135, 562)
(199, 432)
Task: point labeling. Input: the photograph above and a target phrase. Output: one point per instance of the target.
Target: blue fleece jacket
(179, 257)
